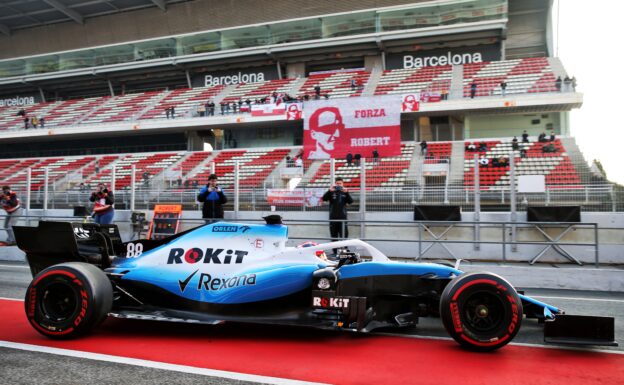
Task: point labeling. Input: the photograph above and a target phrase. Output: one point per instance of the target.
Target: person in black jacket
(338, 197)
(103, 211)
(213, 198)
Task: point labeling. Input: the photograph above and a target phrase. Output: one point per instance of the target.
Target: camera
(338, 188)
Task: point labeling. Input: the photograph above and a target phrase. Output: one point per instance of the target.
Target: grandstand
(104, 107)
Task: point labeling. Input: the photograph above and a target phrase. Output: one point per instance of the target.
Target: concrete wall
(391, 238)
(493, 126)
(180, 18)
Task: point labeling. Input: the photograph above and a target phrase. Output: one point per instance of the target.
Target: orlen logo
(195, 255)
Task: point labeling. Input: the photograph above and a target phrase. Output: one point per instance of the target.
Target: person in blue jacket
(213, 198)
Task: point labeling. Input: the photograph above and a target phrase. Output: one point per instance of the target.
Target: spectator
(300, 153)
(195, 183)
(81, 187)
(423, 147)
(444, 94)
(298, 162)
(503, 86)
(375, 156)
(222, 105)
(103, 210)
(326, 96)
(211, 107)
(240, 104)
(172, 112)
(97, 166)
(542, 137)
(338, 197)
(168, 112)
(26, 122)
(523, 153)
(549, 148)
(558, 84)
(10, 204)
(514, 144)
(289, 162)
(146, 176)
(42, 122)
(567, 84)
(483, 161)
(349, 159)
(317, 91)
(525, 137)
(552, 137)
(34, 122)
(179, 181)
(357, 158)
(483, 147)
(187, 184)
(473, 89)
(573, 84)
(213, 199)
(21, 112)
(353, 84)
(201, 109)
(471, 147)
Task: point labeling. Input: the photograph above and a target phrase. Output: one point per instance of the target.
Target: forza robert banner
(334, 128)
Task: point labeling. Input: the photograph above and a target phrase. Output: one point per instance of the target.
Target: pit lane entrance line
(155, 364)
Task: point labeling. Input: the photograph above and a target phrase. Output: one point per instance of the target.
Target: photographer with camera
(10, 204)
(338, 197)
(213, 198)
(103, 211)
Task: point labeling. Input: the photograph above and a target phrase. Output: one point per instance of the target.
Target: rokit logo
(208, 283)
(331, 302)
(195, 255)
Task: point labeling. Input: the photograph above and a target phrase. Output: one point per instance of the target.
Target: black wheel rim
(59, 301)
(484, 312)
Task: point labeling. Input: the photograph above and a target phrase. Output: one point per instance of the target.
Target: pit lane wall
(401, 239)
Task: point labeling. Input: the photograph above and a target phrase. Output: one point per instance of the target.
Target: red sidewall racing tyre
(67, 300)
(481, 311)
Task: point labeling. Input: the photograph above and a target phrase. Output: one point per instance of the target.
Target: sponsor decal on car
(229, 229)
(194, 255)
(331, 302)
(207, 282)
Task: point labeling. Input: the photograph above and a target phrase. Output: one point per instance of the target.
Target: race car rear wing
(53, 242)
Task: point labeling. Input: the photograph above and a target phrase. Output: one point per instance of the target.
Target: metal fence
(376, 186)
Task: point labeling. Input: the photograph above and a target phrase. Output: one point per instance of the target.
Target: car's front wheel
(68, 300)
(481, 311)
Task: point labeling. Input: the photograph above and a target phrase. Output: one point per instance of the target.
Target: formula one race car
(245, 273)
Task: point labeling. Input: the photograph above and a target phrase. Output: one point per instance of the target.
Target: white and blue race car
(220, 272)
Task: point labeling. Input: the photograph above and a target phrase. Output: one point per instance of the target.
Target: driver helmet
(319, 253)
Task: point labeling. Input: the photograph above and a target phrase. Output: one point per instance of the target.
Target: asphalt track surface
(147, 352)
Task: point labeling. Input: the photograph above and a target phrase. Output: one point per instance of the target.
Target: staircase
(310, 172)
(296, 86)
(456, 174)
(414, 175)
(371, 84)
(151, 105)
(273, 179)
(557, 67)
(577, 159)
(457, 82)
(223, 94)
(94, 110)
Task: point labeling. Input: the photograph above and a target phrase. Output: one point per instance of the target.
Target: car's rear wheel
(68, 300)
(481, 311)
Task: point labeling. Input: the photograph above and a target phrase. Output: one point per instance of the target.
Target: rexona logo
(208, 283)
(410, 61)
(331, 302)
(227, 80)
(215, 256)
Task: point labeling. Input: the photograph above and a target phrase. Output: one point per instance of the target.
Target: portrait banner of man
(411, 103)
(334, 128)
(293, 111)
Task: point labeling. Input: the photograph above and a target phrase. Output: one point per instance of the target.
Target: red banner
(294, 111)
(334, 128)
(268, 109)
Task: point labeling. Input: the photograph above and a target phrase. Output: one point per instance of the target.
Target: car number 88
(134, 250)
